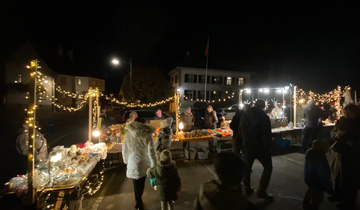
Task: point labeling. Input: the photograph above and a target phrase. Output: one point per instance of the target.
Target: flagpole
(206, 66)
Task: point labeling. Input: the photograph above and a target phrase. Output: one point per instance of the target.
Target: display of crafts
(64, 167)
(220, 132)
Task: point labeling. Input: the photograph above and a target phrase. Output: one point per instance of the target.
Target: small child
(317, 175)
(164, 137)
(167, 180)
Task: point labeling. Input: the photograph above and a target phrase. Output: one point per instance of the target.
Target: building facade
(17, 78)
(196, 84)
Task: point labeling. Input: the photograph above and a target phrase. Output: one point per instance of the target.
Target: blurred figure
(346, 135)
(317, 175)
(210, 122)
(313, 116)
(105, 119)
(132, 116)
(158, 115)
(138, 154)
(225, 193)
(210, 118)
(256, 131)
(188, 119)
(277, 112)
(236, 140)
(164, 137)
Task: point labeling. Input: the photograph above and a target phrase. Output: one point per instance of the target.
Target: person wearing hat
(164, 137)
(210, 118)
(188, 119)
(168, 181)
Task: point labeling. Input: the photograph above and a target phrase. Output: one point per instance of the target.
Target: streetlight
(117, 61)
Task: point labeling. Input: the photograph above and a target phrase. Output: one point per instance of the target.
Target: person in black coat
(237, 142)
(256, 132)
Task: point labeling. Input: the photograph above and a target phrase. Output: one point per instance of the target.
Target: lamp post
(116, 62)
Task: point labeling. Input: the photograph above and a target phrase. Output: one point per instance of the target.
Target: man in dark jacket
(237, 142)
(210, 118)
(256, 131)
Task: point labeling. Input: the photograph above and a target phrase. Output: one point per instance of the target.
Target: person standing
(105, 120)
(168, 181)
(256, 131)
(132, 116)
(164, 137)
(210, 118)
(313, 115)
(236, 140)
(188, 119)
(317, 175)
(139, 154)
(346, 135)
(210, 123)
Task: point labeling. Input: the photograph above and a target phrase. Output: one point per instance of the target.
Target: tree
(148, 85)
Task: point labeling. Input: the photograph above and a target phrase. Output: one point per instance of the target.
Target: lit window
(79, 81)
(228, 80)
(240, 81)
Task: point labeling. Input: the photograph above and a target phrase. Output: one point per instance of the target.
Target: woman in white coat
(139, 154)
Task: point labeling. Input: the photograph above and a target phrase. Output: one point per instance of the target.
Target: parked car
(226, 112)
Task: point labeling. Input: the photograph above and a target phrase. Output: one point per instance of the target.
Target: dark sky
(311, 44)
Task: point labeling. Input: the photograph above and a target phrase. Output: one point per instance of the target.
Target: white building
(220, 84)
(78, 85)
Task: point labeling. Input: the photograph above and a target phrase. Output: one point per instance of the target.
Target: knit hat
(165, 156)
(187, 108)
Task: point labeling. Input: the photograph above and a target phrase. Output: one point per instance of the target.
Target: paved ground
(117, 192)
(286, 185)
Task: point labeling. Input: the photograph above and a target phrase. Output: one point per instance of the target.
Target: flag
(207, 48)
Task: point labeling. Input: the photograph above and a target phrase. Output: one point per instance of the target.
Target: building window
(240, 81)
(216, 80)
(190, 78)
(202, 79)
(94, 82)
(201, 95)
(100, 84)
(228, 80)
(215, 95)
(79, 82)
(189, 95)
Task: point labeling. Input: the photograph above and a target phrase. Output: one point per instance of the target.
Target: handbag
(153, 181)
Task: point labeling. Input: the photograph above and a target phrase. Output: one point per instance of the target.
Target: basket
(192, 153)
(203, 154)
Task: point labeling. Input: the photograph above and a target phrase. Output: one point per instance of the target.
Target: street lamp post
(116, 62)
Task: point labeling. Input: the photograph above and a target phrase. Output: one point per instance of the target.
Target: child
(164, 137)
(317, 175)
(167, 179)
(227, 192)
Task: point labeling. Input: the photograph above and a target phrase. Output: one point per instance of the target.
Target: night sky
(310, 44)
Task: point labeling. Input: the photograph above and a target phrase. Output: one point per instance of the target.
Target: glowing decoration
(181, 126)
(96, 133)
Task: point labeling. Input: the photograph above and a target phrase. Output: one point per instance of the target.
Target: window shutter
(233, 81)
(195, 78)
(186, 77)
(194, 94)
(208, 80)
(220, 80)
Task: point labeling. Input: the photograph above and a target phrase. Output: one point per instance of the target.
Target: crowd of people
(252, 140)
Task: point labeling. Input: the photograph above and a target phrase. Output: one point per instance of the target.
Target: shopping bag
(152, 181)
